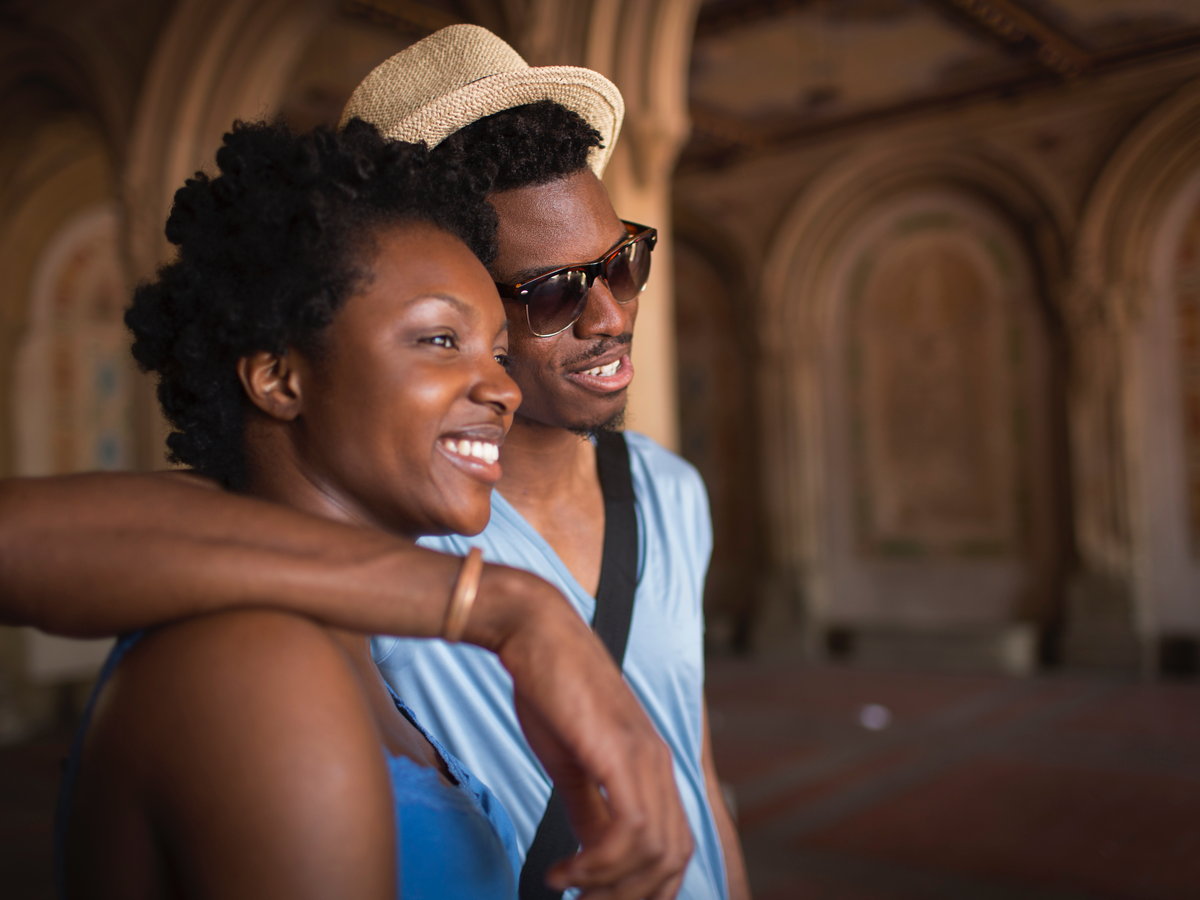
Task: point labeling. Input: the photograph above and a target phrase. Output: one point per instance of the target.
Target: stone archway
(213, 63)
(64, 385)
(73, 388)
(719, 421)
(859, 537)
(1134, 445)
(645, 47)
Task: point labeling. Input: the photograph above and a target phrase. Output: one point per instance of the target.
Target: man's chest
(574, 529)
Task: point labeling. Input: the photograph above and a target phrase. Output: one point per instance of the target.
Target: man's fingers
(637, 870)
(587, 810)
(655, 887)
(627, 844)
(608, 763)
(618, 855)
(646, 847)
(668, 890)
(658, 877)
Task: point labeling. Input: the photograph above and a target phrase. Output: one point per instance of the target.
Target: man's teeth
(605, 371)
(482, 450)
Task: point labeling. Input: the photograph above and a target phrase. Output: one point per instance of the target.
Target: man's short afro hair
(269, 250)
(526, 145)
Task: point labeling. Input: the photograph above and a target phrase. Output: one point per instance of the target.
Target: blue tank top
(454, 843)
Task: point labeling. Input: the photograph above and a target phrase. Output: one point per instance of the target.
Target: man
(571, 360)
(550, 514)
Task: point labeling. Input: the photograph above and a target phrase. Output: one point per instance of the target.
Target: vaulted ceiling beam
(403, 15)
(1014, 26)
(724, 15)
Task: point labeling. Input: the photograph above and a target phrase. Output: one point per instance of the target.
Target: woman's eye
(442, 340)
(504, 359)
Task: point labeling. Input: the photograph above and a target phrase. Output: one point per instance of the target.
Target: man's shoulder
(660, 467)
(671, 496)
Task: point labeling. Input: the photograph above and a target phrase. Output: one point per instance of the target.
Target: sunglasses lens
(628, 271)
(557, 302)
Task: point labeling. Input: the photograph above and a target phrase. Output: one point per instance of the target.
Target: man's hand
(604, 756)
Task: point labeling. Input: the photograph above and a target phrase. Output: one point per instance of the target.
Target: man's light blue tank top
(464, 696)
(454, 843)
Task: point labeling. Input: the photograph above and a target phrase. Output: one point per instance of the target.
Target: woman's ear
(272, 382)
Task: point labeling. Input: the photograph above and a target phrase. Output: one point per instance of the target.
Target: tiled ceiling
(766, 71)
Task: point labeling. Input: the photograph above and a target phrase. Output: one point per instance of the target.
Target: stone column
(644, 46)
(215, 61)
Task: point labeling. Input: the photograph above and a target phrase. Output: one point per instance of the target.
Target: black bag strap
(619, 564)
(554, 839)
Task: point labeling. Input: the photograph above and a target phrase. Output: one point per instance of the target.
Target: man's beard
(616, 421)
(613, 423)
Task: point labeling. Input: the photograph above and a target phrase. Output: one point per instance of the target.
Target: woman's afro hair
(269, 250)
(526, 145)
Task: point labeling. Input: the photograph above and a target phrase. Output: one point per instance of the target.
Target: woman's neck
(279, 473)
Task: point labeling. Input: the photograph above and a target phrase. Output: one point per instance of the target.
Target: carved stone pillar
(215, 61)
(1131, 433)
(644, 46)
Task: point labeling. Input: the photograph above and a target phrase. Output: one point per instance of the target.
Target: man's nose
(604, 316)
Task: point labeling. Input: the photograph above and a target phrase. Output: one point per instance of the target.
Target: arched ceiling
(766, 72)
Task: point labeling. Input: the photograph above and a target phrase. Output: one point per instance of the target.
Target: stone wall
(975, 356)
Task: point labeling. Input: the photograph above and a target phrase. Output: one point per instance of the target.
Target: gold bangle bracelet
(465, 590)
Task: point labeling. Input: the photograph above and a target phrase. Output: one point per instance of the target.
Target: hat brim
(583, 91)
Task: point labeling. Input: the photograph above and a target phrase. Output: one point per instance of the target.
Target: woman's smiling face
(401, 416)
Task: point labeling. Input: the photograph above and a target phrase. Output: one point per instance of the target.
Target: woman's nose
(497, 389)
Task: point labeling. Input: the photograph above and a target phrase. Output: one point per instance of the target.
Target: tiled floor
(1049, 788)
(980, 788)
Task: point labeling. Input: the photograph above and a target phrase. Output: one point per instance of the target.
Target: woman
(327, 341)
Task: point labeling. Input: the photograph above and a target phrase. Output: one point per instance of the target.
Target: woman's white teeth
(482, 450)
(605, 371)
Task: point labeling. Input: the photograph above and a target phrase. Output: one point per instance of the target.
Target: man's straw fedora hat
(462, 73)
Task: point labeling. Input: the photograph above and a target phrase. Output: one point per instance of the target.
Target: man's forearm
(93, 555)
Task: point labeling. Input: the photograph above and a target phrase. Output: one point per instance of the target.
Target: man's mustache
(600, 348)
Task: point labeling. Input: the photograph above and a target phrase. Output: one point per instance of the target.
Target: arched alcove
(1165, 424)
(73, 391)
(65, 385)
(912, 390)
(213, 63)
(718, 416)
(1133, 318)
(64, 170)
(644, 46)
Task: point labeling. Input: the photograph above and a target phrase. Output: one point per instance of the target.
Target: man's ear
(272, 382)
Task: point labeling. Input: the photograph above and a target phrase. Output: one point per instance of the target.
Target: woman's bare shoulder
(242, 694)
(227, 669)
(247, 729)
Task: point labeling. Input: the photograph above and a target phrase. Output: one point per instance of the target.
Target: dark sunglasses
(555, 300)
